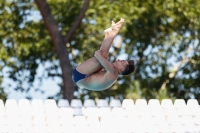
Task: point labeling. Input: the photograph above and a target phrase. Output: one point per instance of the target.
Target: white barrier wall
(102, 116)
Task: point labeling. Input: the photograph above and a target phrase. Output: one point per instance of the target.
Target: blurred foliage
(161, 36)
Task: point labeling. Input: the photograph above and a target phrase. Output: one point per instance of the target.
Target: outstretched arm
(104, 62)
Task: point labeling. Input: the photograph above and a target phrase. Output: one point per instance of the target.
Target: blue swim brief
(78, 76)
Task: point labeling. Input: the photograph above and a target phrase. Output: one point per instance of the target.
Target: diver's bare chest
(98, 81)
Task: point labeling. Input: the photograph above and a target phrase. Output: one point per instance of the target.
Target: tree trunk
(60, 46)
(60, 43)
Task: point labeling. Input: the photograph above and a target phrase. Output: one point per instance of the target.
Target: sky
(49, 86)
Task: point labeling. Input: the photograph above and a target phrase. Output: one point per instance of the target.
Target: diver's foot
(115, 27)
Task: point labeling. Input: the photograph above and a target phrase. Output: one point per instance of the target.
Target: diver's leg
(110, 34)
(92, 65)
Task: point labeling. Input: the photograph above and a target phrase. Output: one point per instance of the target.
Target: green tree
(161, 36)
(27, 43)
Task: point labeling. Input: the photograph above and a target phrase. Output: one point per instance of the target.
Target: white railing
(101, 116)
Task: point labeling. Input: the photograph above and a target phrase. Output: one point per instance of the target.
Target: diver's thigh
(89, 66)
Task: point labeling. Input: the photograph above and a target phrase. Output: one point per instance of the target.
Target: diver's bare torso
(99, 81)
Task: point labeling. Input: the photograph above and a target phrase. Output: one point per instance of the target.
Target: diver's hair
(130, 68)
